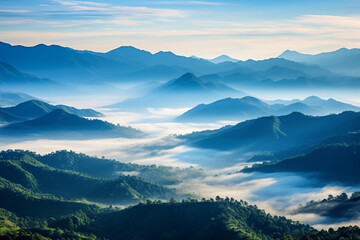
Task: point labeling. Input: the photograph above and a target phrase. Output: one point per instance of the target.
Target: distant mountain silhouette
(11, 76)
(180, 92)
(13, 98)
(37, 108)
(223, 58)
(69, 125)
(276, 133)
(343, 61)
(250, 107)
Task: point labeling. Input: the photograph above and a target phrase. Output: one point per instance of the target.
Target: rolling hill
(59, 123)
(37, 108)
(20, 168)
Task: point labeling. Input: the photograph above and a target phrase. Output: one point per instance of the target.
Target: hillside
(24, 202)
(109, 169)
(7, 118)
(194, 220)
(334, 162)
(276, 133)
(36, 108)
(20, 168)
(59, 123)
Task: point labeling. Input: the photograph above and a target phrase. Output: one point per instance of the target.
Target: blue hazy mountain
(334, 162)
(275, 133)
(163, 58)
(183, 91)
(7, 118)
(227, 109)
(37, 108)
(10, 76)
(249, 107)
(14, 98)
(344, 61)
(59, 63)
(223, 58)
(59, 123)
(126, 64)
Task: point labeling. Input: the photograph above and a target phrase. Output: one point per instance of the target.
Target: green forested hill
(107, 168)
(20, 168)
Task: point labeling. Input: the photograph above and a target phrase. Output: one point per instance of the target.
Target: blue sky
(243, 29)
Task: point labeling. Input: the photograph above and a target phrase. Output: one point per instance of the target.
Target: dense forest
(189, 219)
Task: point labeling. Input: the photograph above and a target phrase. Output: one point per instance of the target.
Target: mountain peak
(223, 58)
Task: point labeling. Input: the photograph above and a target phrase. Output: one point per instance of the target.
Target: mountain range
(343, 61)
(129, 64)
(273, 133)
(180, 92)
(250, 107)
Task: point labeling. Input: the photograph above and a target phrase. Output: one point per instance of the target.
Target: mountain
(10, 77)
(299, 107)
(344, 61)
(59, 123)
(223, 58)
(179, 92)
(7, 118)
(37, 108)
(14, 98)
(22, 169)
(330, 105)
(276, 133)
(128, 53)
(227, 109)
(335, 163)
(59, 63)
(251, 107)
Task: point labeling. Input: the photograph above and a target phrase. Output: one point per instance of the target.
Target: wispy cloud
(14, 11)
(204, 3)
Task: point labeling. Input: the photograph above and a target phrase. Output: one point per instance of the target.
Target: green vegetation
(106, 168)
(21, 168)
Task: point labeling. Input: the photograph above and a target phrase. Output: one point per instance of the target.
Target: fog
(278, 193)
